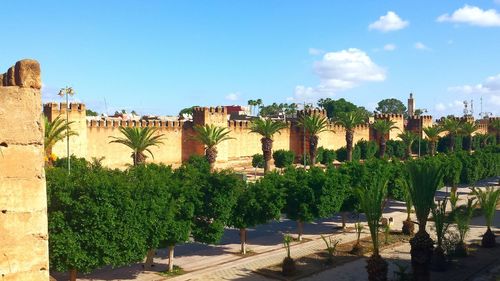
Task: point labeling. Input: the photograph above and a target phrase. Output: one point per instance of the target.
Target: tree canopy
(335, 108)
(391, 106)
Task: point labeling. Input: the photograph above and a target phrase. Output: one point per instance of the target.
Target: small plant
(401, 274)
(488, 199)
(357, 249)
(441, 225)
(453, 198)
(408, 225)
(288, 266)
(386, 227)
(462, 219)
(257, 162)
(331, 246)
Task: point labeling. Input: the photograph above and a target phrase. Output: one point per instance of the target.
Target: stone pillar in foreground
(24, 251)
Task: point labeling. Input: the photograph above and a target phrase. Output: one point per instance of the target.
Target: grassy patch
(176, 272)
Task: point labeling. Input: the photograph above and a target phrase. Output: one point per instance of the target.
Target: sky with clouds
(160, 56)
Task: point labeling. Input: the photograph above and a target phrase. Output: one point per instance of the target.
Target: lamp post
(421, 130)
(68, 91)
(303, 116)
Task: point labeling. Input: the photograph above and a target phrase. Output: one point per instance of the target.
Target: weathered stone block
(22, 161)
(1, 80)
(11, 80)
(27, 74)
(22, 194)
(20, 115)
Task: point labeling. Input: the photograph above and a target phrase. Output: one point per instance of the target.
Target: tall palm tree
(408, 138)
(139, 140)
(314, 124)
(495, 125)
(267, 128)
(251, 103)
(211, 136)
(383, 127)
(467, 129)
(55, 131)
(452, 126)
(371, 201)
(349, 120)
(424, 178)
(432, 135)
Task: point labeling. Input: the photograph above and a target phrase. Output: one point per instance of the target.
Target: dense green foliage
(258, 160)
(335, 108)
(391, 106)
(283, 158)
(326, 156)
(368, 149)
(101, 217)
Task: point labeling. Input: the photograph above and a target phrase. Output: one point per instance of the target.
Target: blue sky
(160, 56)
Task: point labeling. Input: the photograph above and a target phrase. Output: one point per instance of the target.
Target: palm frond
(267, 127)
(211, 135)
(314, 124)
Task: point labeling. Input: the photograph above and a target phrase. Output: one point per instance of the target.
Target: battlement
(25, 74)
(311, 111)
(420, 117)
(54, 106)
(388, 116)
(217, 109)
(110, 123)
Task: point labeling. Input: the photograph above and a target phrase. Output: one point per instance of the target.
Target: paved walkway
(222, 262)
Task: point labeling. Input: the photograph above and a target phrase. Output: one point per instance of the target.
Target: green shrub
(342, 153)
(326, 156)
(368, 149)
(395, 149)
(283, 158)
(258, 161)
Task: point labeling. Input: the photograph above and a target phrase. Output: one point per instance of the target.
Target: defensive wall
(93, 139)
(23, 200)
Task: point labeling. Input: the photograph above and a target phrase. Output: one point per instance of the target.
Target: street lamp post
(304, 140)
(68, 91)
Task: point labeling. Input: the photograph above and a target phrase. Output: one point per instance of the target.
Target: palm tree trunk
(267, 149)
(408, 152)
(377, 268)
(383, 145)
(171, 258)
(469, 145)
(344, 218)
(421, 254)
(433, 148)
(243, 238)
(149, 259)
(349, 136)
(452, 143)
(313, 147)
(72, 274)
(211, 155)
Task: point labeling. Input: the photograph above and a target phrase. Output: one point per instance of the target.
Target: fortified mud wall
(23, 202)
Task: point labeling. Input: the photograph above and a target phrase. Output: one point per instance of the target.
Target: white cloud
(341, 70)
(233, 96)
(472, 15)
(315, 51)
(452, 107)
(440, 107)
(389, 47)
(390, 22)
(489, 89)
(421, 46)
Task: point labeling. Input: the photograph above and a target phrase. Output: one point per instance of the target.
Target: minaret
(411, 106)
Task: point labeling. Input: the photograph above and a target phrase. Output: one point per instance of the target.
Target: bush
(258, 161)
(326, 156)
(342, 153)
(395, 149)
(424, 147)
(368, 149)
(444, 142)
(283, 158)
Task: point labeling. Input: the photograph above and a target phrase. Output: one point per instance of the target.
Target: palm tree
(267, 128)
(371, 201)
(251, 104)
(55, 131)
(452, 126)
(495, 125)
(432, 135)
(139, 140)
(488, 199)
(258, 104)
(467, 129)
(424, 178)
(383, 127)
(349, 120)
(408, 138)
(314, 124)
(211, 136)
